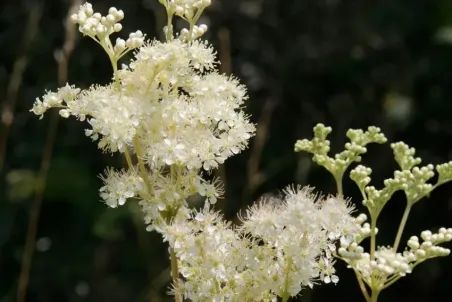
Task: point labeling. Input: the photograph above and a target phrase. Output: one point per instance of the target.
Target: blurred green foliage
(344, 63)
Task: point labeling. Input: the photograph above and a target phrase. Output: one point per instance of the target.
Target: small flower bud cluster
(388, 263)
(444, 172)
(404, 155)
(372, 135)
(98, 27)
(94, 24)
(196, 33)
(135, 40)
(429, 247)
(361, 176)
(349, 247)
(319, 146)
(413, 180)
(187, 9)
(364, 227)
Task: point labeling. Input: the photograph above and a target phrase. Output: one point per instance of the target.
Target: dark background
(340, 62)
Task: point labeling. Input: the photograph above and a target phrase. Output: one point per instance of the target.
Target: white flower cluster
(169, 109)
(282, 246)
(388, 265)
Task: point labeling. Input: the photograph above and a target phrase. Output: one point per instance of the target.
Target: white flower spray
(168, 108)
(283, 245)
(175, 118)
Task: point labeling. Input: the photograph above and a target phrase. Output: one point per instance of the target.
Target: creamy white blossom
(282, 246)
(168, 108)
(303, 227)
(216, 262)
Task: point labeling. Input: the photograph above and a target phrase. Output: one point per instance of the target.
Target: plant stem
(114, 64)
(406, 213)
(373, 226)
(340, 190)
(374, 297)
(128, 159)
(362, 286)
(175, 272)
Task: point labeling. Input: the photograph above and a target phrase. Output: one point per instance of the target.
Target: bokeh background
(340, 62)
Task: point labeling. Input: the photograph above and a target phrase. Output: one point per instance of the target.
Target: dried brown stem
(255, 178)
(62, 57)
(15, 81)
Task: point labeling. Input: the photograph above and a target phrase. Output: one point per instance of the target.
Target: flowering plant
(175, 119)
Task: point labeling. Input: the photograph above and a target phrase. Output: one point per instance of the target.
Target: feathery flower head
(168, 108)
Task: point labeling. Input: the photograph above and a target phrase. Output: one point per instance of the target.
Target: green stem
(114, 64)
(338, 179)
(374, 297)
(373, 226)
(190, 31)
(128, 158)
(175, 272)
(406, 213)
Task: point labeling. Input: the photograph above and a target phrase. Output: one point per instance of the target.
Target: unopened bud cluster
(388, 264)
(196, 32)
(94, 24)
(411, 179)
(429, 247)
(319, 146)
(364, 229)
(187, 9)
(101, 27)
(381, 267)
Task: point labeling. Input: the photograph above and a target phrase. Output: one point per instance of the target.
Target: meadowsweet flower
(121, 185)
(168, 108)
(303, 228)
(282, 246)
(217, 262)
